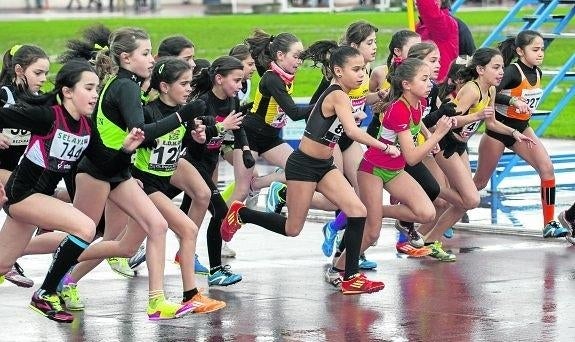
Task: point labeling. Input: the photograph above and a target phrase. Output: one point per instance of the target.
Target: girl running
(311, 168)
(24, 70)
(520, 91)
(60, 135)
(401, 124)
(218, 86)
(120, 108)
(475, 101)
(277, 60)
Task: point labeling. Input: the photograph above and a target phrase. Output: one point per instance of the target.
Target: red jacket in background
(439, 26)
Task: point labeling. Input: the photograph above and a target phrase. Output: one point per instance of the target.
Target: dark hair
(265, 47)
(406, 71)
(358, 32)
(167, 69)
(122, 40)
(240, 51)
(173, 46)
(481, 57)
(221, 66)
(24, 55)
(417, 51)
(398, 40)
(319, 53)
(94, 39)
(449, 85)
(200, 64)
(67, 76)
(509, 46)
(445, 4)
(421, 50)
(340, 55)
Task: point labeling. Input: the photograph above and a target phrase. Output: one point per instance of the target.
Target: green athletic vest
(163, 159)
(112, 135)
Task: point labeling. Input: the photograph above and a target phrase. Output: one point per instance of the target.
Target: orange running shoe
(204, 304)
(231, 222)
(360, 284)
(409, 250)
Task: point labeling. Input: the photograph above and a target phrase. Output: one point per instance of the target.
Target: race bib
(532, 97)
(68, 146)
(358, 105)
(333, 133)
(165, 156)
(18, 137)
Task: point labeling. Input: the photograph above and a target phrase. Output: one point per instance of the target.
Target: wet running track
(501, 288)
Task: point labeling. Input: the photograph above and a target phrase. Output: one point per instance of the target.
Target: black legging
(218, 209)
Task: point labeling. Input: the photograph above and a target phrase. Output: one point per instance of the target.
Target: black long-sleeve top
(122, 106)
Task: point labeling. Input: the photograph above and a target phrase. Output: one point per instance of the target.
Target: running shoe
(1, 279)
(329, 235)
(227, 252)
(360, 284)
(274, 201)
(49, 306)
(204, 304)
(160, 309)
(17, 277)
(253, 196)
(365, 264)
(71, 298)
(448, 234)
(121, 266)
(438, 253)
(554, 230)
(231, 222)
(224, 277)
(139, 257)
(410, 251)
(333, 277)
(569, 225)
(198, 267)
(415, 239)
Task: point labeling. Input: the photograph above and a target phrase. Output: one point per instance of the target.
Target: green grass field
(214, 36)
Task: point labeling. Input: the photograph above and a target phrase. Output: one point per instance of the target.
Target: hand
(520, 137)
(192, 109)
(248, 159)
(392, 150)
(447, 108)
(4, 142)
(359, 115)
(233, 120)
(133, 140)
(435, 150)
(199, 132)
(443, 125)
(206, 120)
(520, 105)
(486, 113)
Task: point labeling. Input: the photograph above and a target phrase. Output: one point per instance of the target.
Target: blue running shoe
(329, 235)
(448, 234)
(199, 268)
(224, 277)
(274, 200)
(365, 264)
(555, 230)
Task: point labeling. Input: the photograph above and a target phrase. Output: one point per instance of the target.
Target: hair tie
(272, 38)
(14, 49)
(98, 47)
(397, 61)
